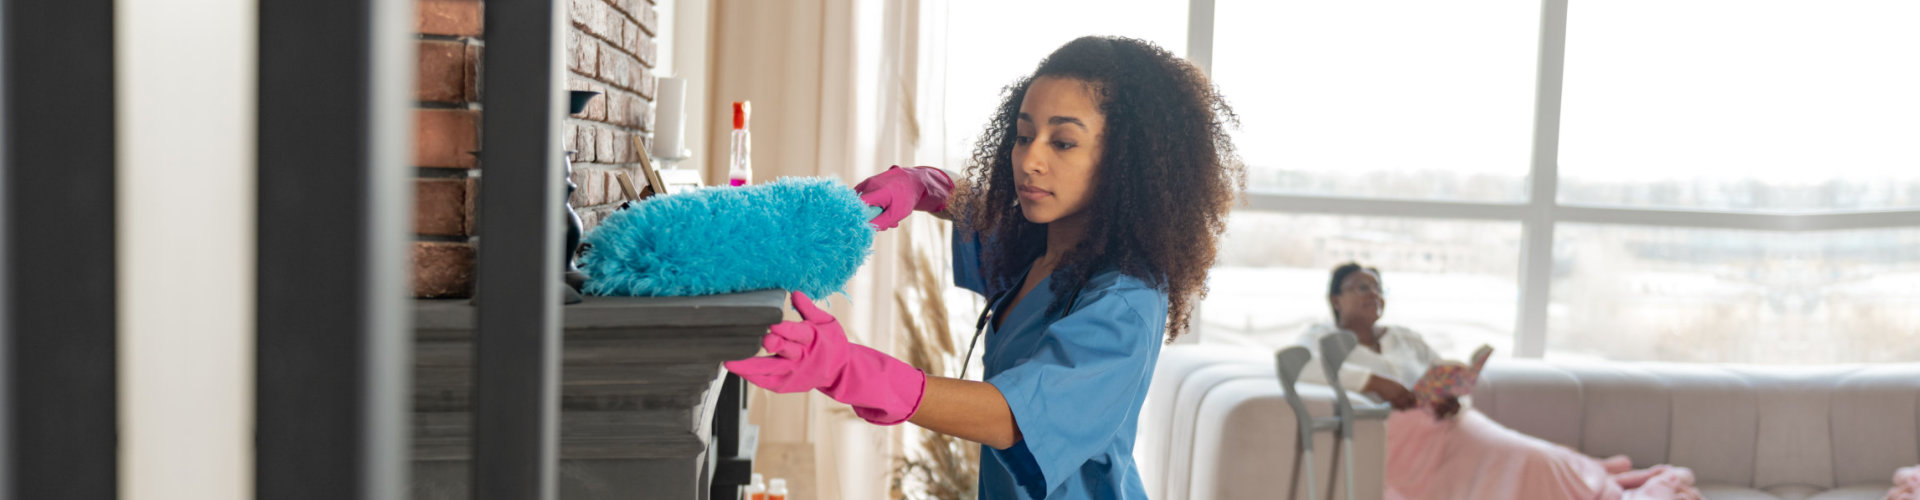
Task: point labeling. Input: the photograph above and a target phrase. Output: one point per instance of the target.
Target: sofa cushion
(1249, 453)
(1620, 400)
(1215, 425)
(1795, 420)
(1727, 492)
(1859, 492)
(1157, 432)
(1794, 491)
(1874, 424)
(1757, 427)
(1716, 417)
(1197, 389)
(1534, 398)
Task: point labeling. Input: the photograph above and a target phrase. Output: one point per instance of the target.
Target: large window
(1679, 294)
(1406, 99)
(1703, 181)
(1751, 106)
(1453, 279)
(1697, 180)
(991, 43)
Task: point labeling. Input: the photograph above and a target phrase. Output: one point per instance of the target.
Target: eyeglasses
(1363, 288)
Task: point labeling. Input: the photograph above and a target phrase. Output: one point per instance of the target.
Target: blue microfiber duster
(806, 234)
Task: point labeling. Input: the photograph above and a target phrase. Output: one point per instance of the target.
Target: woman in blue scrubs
(1089, 214)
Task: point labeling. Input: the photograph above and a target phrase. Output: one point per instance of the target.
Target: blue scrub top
(1075, 380)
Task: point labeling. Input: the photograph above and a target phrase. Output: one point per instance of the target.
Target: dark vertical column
(730, 456)
(61, 437)
(334, 340)
(517, 379)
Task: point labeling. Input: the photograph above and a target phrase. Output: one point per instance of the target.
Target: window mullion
(1200, 34)
(1200, 52)
(1384, 207)
(1536, 261)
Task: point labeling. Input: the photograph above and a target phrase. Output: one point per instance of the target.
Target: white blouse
(1404, 357)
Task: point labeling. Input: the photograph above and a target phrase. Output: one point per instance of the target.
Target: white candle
(670, 118)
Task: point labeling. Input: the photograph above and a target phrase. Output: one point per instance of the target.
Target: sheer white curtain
(840, 88)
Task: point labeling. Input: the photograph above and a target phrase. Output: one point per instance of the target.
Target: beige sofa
(1215, 425)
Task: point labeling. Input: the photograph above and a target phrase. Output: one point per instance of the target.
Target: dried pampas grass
(942, 467)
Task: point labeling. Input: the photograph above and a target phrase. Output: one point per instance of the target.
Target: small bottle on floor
(777, 489)
(757, 490)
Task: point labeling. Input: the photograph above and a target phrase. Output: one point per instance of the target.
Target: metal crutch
(1333, 352)
(1290, 362)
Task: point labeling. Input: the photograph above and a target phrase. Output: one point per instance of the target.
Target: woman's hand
(1392, 392)
(900, 191)
(813, 354)
(1446, 407)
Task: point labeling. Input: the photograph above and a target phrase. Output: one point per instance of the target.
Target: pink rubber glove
(814, 354)
(900, 191)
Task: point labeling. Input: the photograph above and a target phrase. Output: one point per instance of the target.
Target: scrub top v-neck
(1074, 377)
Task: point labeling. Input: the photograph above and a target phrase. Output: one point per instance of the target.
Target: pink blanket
(1472, 457)
(1906, 484)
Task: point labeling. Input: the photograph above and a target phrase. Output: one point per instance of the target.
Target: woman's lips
(1034, 193)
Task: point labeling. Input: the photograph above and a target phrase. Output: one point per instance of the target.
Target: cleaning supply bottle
(777, 489)
(740, 172)
(757, 490)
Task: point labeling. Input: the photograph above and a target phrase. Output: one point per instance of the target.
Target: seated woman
(1444, 451)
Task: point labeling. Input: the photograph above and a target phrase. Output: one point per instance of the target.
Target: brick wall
(610, 49)
(446, 133)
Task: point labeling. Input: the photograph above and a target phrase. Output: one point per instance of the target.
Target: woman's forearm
(974, 411)
(962, 190)
(1389, 391)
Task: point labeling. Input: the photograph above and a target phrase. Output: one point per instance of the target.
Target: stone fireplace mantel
(639, 381)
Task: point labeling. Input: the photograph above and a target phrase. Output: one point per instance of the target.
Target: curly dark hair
(1168, 175)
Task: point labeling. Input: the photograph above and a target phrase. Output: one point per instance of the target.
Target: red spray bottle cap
(740, 110)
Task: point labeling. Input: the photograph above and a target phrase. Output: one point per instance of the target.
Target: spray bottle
(740, 172)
